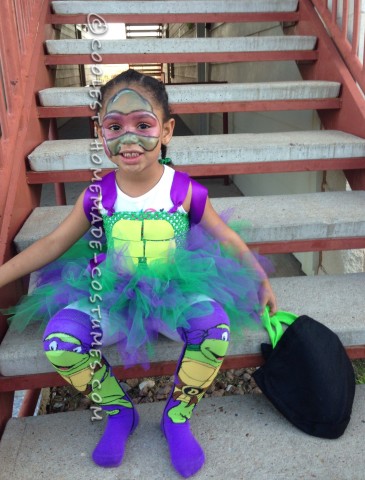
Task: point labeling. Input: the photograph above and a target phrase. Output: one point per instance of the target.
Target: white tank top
(156, 199)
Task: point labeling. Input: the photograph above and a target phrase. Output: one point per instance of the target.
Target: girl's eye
(143, 126)
(115, 128)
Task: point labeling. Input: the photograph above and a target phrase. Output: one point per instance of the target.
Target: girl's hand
(267, 297)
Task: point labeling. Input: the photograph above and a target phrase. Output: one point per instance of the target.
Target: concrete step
(211, 93)
(183, 45)
(240, 148)
(321, 297)
(270, 218)
(244, 438)
(172, 6)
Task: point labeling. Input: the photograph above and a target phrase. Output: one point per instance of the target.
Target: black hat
(307, 375)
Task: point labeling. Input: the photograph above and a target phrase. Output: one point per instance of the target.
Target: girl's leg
(206, 342)
(72, 342)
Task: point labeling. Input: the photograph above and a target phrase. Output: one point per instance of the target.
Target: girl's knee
(220, 314)
(210, 332)
(72, 330)
(210, 315)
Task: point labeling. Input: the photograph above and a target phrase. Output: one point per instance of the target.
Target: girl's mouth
(130, 158)
(130, 154)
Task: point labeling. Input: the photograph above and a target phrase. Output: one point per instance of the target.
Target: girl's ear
(168, 130)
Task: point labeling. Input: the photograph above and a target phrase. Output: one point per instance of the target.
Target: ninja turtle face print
(129, 119)
(200, 365)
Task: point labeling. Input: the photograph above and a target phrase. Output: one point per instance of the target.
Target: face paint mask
(129, 120)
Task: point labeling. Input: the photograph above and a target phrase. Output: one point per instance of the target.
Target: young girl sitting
(171, 266)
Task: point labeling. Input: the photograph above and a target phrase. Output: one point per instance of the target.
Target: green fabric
(178, 220)
(273, 324)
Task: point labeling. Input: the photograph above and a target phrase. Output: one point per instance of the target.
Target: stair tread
(269, 218)
(57, 155)
(184, 45)
(236, 433)
(320, 297)
(176, 6)
(232, 92)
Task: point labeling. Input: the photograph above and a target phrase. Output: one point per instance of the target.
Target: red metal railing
(21, 49)
(22, 73)
(19, 26)
(17, 36)
(345, 23)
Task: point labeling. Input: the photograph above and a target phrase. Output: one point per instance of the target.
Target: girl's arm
(48, 248)
(215, 225)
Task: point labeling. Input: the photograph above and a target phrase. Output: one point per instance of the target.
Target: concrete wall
(339, 261)
(67, 75)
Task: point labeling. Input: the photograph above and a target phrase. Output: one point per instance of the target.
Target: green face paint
(129, 120)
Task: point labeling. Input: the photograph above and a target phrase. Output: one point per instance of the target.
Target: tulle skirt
(136, 298)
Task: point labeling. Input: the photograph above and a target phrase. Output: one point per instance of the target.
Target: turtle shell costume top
(144, 262)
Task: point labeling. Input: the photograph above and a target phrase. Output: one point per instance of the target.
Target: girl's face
(132, 128)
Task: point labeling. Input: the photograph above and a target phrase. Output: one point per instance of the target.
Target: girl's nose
(128, 139)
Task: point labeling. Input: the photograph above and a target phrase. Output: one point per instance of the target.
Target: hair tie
(165, 161)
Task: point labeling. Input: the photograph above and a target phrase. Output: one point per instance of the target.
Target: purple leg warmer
(72, 343)
(206, 343)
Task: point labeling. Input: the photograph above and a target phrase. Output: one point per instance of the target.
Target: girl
(162, 273)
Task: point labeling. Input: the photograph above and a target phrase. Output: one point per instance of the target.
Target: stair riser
(260, 56)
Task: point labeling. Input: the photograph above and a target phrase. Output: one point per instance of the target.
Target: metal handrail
(345, 22)
(20, 19)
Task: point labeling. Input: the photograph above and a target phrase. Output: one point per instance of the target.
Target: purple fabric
(95, 262)
(179, 190)
(109, 452)
(65, 346)
(109, 192)
(186, 454)
(105, 186)
(198, 200)
(72, 322)
(196, 337)
(199, 195)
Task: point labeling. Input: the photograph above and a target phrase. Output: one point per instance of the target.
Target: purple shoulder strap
(179, 190)
(106, 187)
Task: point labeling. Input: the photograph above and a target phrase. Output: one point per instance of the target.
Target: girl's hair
(155, 87)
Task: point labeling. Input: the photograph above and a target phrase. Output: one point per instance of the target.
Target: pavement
(244, 438)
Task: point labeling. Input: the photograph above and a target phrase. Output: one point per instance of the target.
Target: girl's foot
(109, 451)
(187, 456)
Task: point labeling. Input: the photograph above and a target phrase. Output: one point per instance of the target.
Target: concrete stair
(203, 49)
(271, 218)
(171, 6)
(243, 438)
(183, 45)
(210, 93)
(245, 150)
(320, 297)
